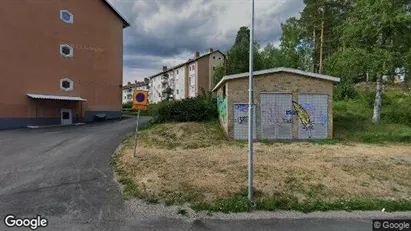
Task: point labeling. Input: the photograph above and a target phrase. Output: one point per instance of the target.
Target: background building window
(66, 16)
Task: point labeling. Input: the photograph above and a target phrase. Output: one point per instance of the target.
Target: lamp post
(250, 110)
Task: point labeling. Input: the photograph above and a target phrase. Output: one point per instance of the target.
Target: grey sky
(168, 32)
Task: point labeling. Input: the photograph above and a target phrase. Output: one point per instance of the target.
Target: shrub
(201, 108)
(396, 108)
(345, 91)
(127, 105)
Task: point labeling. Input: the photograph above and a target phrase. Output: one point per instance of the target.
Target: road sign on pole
(135, 135)
(250, 110)
(140, 102)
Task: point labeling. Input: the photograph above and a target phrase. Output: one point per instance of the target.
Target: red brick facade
(30, 59)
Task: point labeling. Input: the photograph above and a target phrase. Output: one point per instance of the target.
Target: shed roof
(276, 70)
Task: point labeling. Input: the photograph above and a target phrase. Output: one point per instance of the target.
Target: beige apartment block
(186, 79)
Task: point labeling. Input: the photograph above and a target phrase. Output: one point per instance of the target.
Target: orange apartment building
(61, 62)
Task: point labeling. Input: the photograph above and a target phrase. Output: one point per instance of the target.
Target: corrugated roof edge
(125, 22)
(276, 70)
(55, 97)
(182, 64)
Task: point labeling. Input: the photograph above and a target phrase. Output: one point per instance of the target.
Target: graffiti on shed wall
(304, 117)
(241, 119)
(222, 107)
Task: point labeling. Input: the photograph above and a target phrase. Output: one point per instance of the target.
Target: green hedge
(201, 108)
(151, 111)
(127, 105)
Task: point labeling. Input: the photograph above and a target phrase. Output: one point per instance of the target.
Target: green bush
(201, 108)
(396, 108)
(151, 111)
(345, 91)
(127, 105)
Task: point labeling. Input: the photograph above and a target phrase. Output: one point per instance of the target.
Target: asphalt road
(63, 174)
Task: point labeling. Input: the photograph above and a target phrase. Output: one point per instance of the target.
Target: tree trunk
(321, 47)
(315, 49)
(367, 77)
(378, 101)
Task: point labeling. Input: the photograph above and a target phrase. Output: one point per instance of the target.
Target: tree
(380, 31)
(218, 74)
(238, 55)
(271, 57)
(168, 93)
(295, 49)
(319, 26)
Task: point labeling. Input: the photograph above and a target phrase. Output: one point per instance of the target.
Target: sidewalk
(52, 126)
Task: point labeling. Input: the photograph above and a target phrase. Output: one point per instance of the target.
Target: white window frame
(71, 21)
(71, 50)
(68, 80)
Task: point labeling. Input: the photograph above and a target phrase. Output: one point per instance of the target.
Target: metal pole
(250, 110)
(135, 135)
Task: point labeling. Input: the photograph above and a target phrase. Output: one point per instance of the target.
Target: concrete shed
(289, 104)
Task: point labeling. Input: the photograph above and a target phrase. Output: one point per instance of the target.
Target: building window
(66, 50)
(66, 16)
(66, 84)
(224, 91)
(125, 97)
(177, 91)
(213, 57)
(219, 58)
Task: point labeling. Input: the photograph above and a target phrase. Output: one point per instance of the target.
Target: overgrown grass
(352, 119)
(239, 203)
(309, 178)
(129, 187)
(152, 110)
(184, 135)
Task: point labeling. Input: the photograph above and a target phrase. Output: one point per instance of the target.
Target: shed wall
(237, 92)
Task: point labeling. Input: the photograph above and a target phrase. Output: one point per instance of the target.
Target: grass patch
(130, 188)
(189, 135)
(352, 119)
(239, 203)
(194, 163)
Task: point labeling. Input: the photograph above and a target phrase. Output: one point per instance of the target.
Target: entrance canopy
(56, 97)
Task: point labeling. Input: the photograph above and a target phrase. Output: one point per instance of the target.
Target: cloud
(167, 32)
